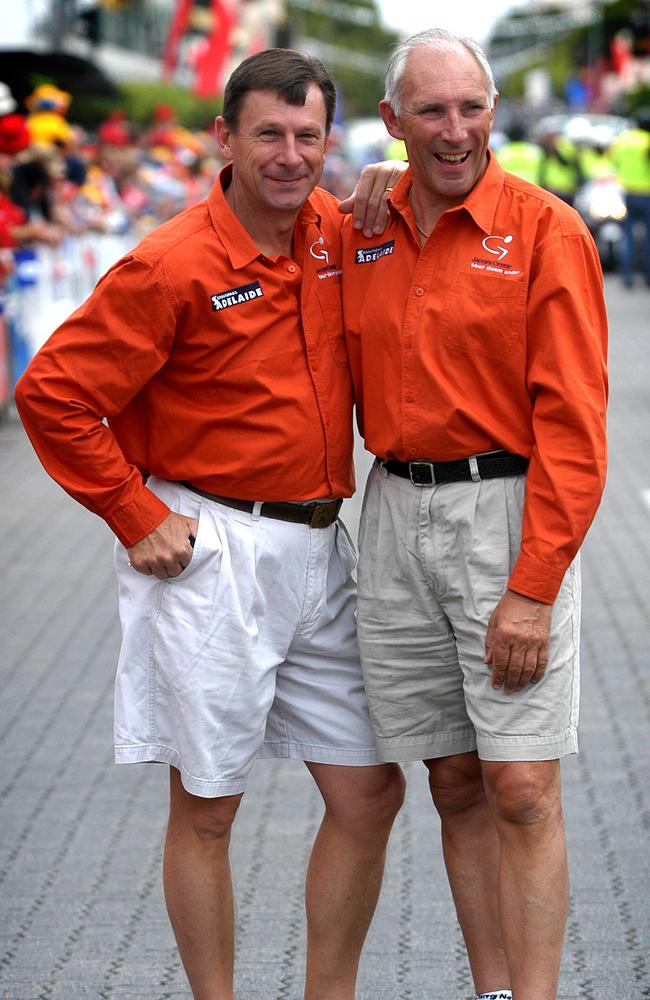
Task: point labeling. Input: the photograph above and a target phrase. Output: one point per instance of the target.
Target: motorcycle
(601, 203)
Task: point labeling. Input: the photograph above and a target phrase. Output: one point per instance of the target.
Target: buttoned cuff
(136, 519)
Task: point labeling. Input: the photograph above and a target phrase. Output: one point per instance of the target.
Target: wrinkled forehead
(273, 106)
(452, 73)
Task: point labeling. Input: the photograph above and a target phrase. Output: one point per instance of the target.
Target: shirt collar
(238, 243)
(481, 202)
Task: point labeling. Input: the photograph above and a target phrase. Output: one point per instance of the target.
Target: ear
(223, 134)
(391, 121)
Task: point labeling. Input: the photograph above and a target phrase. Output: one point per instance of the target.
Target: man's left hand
(517, 641)
(368, 203)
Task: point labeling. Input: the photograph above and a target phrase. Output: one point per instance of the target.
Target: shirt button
(292, 269)
(410, 398)
(408, 342)
(419, 291)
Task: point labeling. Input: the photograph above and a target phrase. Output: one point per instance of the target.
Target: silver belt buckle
(422, 473)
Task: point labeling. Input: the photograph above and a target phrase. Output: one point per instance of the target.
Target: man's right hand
(167, 550)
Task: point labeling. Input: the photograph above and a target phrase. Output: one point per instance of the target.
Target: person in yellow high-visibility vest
(630, 154)
(560, 170)
(520, 156)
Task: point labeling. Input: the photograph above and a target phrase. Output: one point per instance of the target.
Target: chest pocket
(484, 314)
(331, 313)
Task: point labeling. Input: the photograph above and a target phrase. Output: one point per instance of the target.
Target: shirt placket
(418, 295)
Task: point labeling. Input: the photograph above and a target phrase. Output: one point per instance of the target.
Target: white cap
(7, 103)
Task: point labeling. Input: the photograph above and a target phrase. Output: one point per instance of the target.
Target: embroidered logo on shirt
(498, 247)
(236, 296)
(319, 254)
(367, 255)
(493, 244)
(329, 271)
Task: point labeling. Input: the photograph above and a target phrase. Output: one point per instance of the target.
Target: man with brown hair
(215, 353)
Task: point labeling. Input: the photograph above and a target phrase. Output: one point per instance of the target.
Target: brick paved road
(81, 909)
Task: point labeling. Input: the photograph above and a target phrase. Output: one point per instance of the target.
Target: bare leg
(526, 801)
(471, 850)
(198, 888)
(345, 871)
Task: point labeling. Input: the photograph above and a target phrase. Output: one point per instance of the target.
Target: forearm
(80, 452)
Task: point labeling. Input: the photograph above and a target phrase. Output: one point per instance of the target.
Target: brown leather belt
(491, 465)
(316, 515)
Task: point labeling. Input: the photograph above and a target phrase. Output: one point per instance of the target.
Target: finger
(376, 214)
(381, 218)
(500, 663)
(529, 668)
(515, 668)
(540, 668)
(345, 206)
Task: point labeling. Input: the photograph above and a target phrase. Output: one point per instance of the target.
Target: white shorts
(250, 651)
(434, 562)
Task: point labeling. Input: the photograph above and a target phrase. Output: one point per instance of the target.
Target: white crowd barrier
(50, 282)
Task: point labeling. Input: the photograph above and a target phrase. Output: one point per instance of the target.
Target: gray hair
(443, 41)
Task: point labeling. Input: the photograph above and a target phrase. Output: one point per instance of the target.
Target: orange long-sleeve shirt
(493, 335)
(210, 362)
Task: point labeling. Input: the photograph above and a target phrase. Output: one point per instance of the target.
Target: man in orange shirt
(200, 402)
(477, 336)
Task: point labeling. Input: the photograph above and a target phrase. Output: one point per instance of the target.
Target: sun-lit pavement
(81, 909)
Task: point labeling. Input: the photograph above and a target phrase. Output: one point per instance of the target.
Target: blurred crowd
(56, 179)
(601, 166)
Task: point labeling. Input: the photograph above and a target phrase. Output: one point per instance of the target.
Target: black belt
(490, 465)
(316, 515)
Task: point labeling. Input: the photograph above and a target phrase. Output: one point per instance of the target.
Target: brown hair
(286, 73)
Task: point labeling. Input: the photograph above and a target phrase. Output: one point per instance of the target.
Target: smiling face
(277, 150)
(445, 120)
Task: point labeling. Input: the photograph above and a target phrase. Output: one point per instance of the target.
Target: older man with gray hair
(477, 336)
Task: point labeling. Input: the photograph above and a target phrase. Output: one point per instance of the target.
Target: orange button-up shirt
(210, 362)
(491, 336)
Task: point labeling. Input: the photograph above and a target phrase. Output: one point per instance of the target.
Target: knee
(384, 796)
(371, 805)
(391, 798)
(456, 790)
(527, 794)
(207, 821)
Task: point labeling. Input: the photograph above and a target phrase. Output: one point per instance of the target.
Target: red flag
(176, 32)
(212, 58)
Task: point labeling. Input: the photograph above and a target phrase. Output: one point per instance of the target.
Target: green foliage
(559, 63)
(637, 98)
(138, 101)
(347, 43)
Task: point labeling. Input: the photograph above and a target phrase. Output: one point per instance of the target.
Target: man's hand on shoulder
(368, 203)
(517, 640)
(167, 550)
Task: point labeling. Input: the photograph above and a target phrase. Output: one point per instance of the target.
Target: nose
(289, 154)
(454, 127)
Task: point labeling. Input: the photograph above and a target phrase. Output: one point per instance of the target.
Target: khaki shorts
(434, 562)
(250, 652)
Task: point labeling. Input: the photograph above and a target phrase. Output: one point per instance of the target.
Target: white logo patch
(319, 254)
(493, 245)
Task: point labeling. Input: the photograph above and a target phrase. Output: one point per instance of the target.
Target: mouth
(452, 158)
(286, 180)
